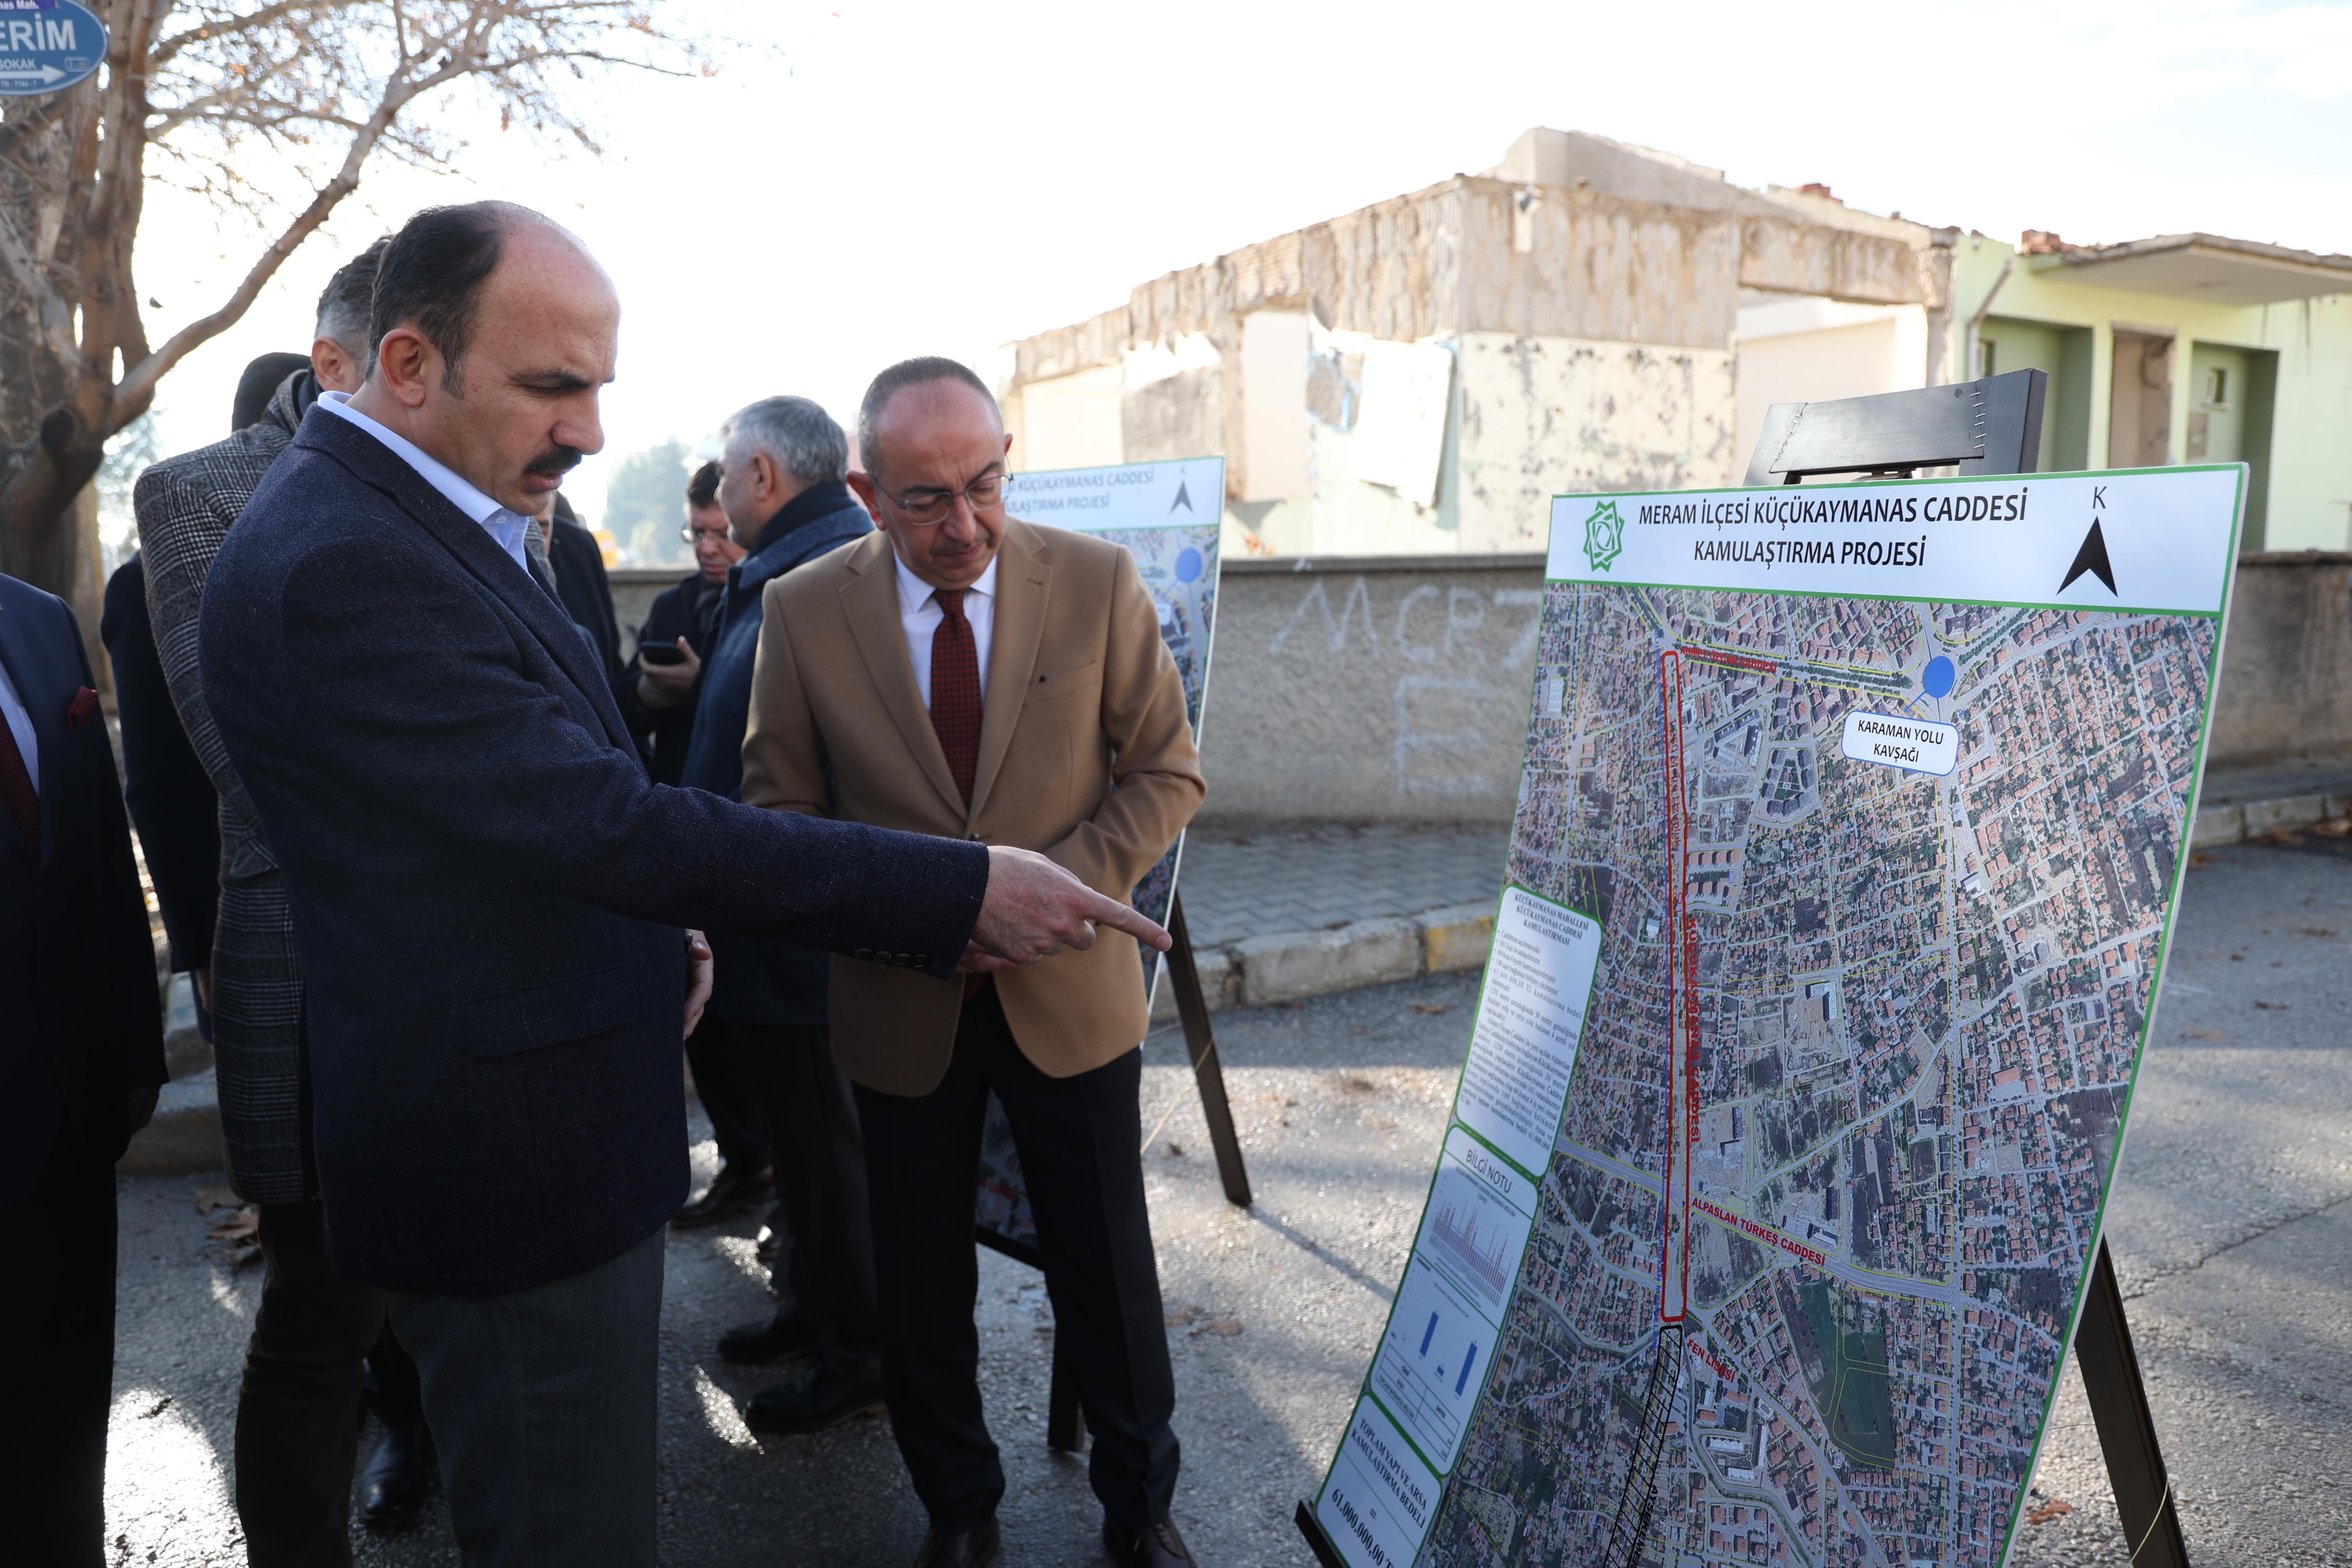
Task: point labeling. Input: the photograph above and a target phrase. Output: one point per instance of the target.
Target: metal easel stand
(2111, 1380)
(1065, 1424)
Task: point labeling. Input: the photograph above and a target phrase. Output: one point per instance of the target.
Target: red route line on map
(1711, 656)
(1674, 1261)
(1682, 992)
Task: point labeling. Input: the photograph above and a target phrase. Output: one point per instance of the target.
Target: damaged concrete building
(1422, 376)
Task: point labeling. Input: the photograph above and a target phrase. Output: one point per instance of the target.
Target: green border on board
(2229, 574)
(2156, 968)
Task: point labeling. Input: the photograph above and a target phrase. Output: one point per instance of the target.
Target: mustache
(555, 460)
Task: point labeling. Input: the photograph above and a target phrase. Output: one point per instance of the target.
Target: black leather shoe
(824, 1399)
(972, 1548)
(791, 1333)
(1157, 1546)
(398, 1476)
(729, 1195)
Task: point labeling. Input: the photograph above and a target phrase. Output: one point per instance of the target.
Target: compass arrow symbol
(2092, 558)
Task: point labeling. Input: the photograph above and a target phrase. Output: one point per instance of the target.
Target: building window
(2217, 386)
(1985, 358)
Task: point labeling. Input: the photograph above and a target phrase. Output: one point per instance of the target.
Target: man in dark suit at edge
(81, 1053)
(488, 892)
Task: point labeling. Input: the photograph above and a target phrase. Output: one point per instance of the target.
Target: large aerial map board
(1853, 821)
(1168, 516)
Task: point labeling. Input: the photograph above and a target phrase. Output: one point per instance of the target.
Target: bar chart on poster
(1846, 849)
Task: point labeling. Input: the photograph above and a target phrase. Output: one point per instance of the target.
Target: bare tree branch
(238, 99)
(215, 29)
(462, 56)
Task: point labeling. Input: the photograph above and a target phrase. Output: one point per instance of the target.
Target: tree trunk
(38, 540)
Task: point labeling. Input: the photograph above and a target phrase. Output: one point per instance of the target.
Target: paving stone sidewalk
(1315, 876)
(1293, 910)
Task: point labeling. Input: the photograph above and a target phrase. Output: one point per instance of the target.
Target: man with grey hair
(783, 466)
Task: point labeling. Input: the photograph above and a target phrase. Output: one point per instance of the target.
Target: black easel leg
(1316, 1541)
(2103, 1348)
(1202, 1046)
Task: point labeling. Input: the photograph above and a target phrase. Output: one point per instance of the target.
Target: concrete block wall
(1377, 689)
(1394, 688)
(2287, 668)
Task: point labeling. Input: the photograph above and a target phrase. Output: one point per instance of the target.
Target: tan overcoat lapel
(869, 601)
(1023, 585)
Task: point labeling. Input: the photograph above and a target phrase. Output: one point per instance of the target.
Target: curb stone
(2219, 825)
(1289, 966)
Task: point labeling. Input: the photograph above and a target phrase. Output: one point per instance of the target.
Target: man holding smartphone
(659, 688)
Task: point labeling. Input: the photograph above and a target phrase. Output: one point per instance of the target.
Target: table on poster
(1852, 820)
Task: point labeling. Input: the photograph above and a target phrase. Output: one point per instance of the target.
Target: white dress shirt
(505, 526)
(29, 745)
(920, 614)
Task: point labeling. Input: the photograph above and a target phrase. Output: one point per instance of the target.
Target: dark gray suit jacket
(487, 889)
(185, 506)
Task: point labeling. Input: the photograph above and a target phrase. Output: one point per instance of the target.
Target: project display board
(1168, 516)
(1852, 825)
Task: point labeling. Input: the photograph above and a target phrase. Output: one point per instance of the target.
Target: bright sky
(882, 180)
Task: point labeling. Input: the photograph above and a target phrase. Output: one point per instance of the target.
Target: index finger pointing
(1110, 912)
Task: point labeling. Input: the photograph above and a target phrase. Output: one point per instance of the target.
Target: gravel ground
(2232, 1226)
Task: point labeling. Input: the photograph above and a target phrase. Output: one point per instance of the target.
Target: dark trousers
(1078, 1139)
(728, 1098)
(820, 1165)
(543, 1408)
(317, 1339)
(57, 1371)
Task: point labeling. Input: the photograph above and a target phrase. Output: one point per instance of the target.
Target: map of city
(1879, 888)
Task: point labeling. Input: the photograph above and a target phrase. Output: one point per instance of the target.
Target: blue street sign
(47, 45)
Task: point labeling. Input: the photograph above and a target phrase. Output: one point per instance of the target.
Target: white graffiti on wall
(1452, 677)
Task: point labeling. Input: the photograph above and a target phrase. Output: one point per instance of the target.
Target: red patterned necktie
(16, 792)
(955, 689)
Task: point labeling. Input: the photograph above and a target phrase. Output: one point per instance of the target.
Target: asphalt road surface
(2231, 1224)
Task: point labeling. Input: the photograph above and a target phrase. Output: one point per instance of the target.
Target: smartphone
(661, 653)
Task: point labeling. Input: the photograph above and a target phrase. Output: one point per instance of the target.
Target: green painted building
(2183, 349)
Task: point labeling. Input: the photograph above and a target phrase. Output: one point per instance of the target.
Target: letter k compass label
(2092, 559)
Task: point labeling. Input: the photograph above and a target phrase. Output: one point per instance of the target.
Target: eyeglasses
(693, 535)
(923, 509)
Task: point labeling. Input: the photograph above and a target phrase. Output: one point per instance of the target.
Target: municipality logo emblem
(1604, 536)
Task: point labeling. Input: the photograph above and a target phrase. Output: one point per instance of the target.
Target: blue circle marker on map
(1187, 565)
(1939, 676)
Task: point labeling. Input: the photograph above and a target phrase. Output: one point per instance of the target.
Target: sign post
(1870, 803)
(48, 45)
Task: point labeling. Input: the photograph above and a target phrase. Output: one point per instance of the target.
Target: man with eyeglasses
(967, 674)
(664, 674)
